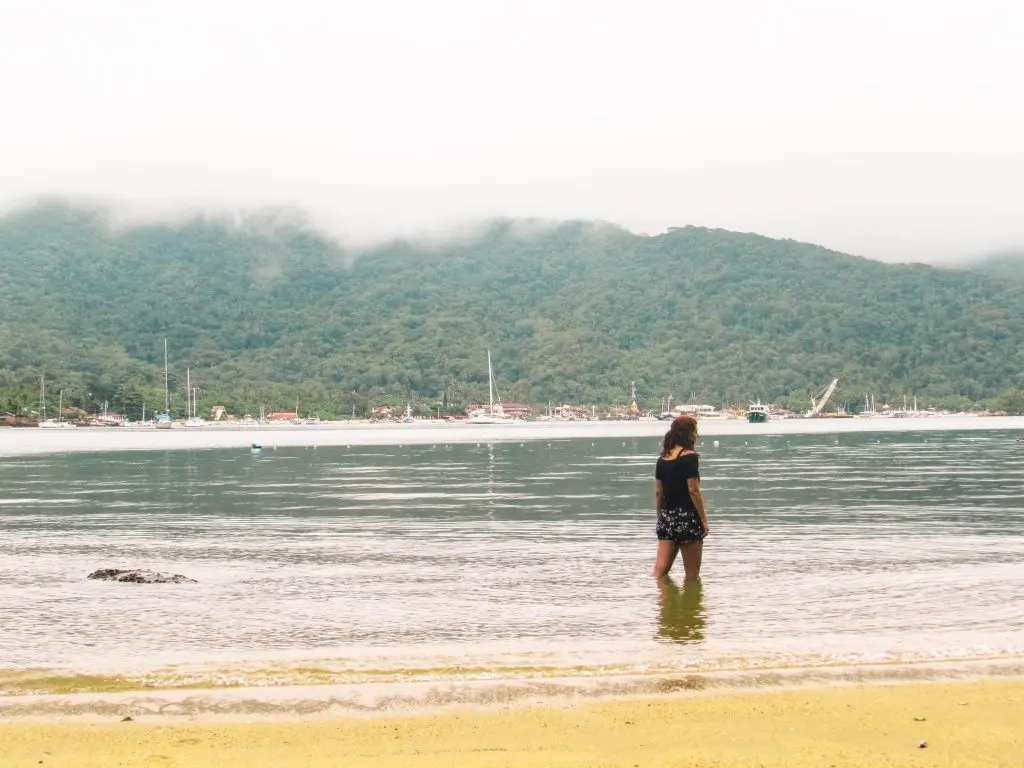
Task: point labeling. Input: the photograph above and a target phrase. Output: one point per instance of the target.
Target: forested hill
(267, 311)
(1008, 264)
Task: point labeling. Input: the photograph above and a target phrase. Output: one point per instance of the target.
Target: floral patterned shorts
(683, 526)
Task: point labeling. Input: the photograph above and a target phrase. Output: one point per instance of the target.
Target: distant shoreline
(30, 441)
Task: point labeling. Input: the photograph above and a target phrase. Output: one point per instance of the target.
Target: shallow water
(507, 560)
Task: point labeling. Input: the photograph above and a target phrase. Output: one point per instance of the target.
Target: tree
(570, 312)
(1009, 401)
(798, 401)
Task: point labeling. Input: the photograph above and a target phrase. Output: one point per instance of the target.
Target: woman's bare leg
(667, 551)
(692, 554)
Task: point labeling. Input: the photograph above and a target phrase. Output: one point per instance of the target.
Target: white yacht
(495, 414)
(699, 411)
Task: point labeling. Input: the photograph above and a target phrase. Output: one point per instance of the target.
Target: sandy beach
(962, 724)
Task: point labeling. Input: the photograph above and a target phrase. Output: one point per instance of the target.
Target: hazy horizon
(887, 130)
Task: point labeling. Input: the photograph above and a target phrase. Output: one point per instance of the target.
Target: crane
(818, 403)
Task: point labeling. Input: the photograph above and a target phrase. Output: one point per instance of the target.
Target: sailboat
(868, 411)
(42, 406)
(44, 422)
(163, 420)
(493, 414)
(192, 419)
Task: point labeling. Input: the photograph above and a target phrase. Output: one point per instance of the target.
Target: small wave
(49, 501)
(82, 696)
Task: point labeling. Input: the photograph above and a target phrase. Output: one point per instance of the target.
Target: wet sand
(963, 724)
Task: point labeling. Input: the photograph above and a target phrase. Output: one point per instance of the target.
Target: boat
(493, 414)
(408, 414)
(905, 412)
(697, 411)
(192, 419)
(45, 423)
(757, 413)
(868, 412)
(163, 420)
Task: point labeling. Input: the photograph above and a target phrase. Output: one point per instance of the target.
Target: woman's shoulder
(680, 455)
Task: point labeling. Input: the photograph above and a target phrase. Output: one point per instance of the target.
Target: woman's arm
(693, 486)
(659, 495)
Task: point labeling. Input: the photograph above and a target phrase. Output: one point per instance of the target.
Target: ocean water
(473, 563)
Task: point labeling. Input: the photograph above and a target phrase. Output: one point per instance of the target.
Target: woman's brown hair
(682, 433)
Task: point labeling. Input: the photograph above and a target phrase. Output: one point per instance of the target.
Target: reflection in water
(682, 616)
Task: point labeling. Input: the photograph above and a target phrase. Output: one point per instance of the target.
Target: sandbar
(972, 723)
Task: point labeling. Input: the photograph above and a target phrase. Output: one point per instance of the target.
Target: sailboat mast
(167, 391)
(42, 396)
(490, 384)
(188, 393)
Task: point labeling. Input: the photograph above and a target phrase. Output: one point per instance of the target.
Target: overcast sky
(889, 129)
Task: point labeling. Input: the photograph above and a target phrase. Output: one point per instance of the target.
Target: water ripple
(873, 548)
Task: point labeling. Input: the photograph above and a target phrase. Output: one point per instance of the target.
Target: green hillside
(267, 310)
(1007, 264)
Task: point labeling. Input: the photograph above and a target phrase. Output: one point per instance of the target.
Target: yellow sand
(964, 724)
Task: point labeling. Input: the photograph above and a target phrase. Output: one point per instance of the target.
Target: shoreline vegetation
(945, 724)
(266, 311)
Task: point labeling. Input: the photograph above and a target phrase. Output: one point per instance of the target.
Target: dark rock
(139, 576)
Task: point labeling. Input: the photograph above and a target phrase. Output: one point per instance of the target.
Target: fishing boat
(757, 413)
(495, 414)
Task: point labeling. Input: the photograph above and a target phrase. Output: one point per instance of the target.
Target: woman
(682, 522)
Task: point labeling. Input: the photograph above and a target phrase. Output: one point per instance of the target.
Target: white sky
(890, 129)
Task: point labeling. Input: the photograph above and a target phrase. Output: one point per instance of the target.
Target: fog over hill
(886, 129)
